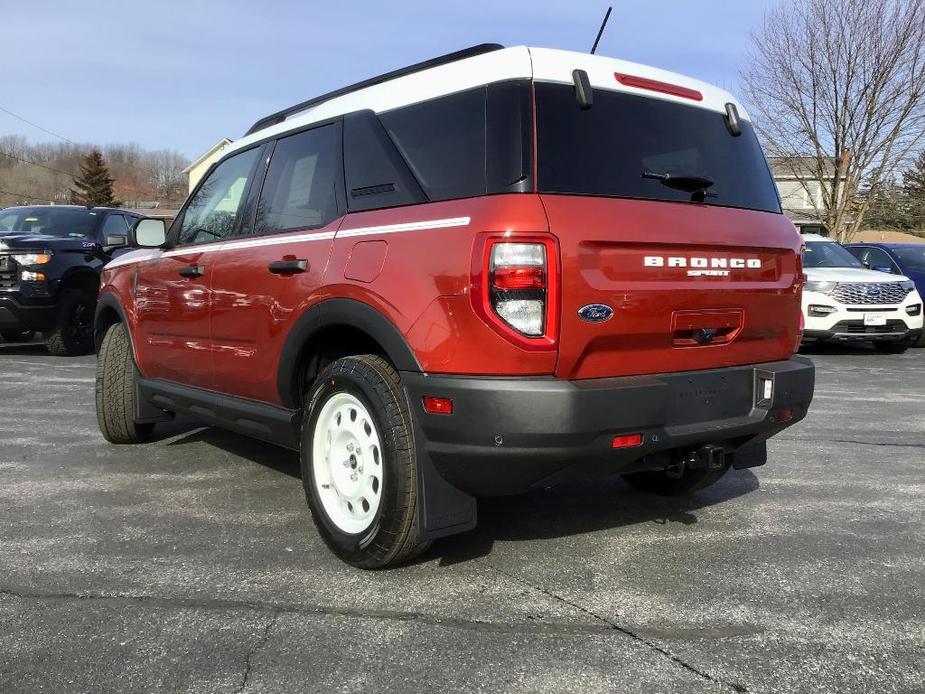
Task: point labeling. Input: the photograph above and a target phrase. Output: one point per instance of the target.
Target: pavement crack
(151, 601)
(623, 630)
(855, 441)
(261, 642)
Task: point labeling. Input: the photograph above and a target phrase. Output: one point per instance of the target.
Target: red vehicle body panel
(603, 244)
(226, 330)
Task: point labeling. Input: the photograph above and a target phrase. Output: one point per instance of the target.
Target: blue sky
(183, 74)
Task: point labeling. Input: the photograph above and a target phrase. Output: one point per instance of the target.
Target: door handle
(288, 267)
(192, 271)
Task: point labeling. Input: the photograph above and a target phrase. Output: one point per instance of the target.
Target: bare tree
(837, 91)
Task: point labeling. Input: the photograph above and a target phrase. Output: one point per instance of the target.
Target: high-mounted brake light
(657, 86)
(515, 288)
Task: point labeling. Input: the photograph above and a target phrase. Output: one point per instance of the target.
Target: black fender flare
(333, 312)
(107, 302)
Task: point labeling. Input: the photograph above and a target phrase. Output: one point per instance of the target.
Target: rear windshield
(51, 221)
(607, 149)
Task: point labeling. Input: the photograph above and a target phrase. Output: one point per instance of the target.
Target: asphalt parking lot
(190, 565)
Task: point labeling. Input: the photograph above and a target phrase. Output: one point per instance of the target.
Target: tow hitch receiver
(711, 456)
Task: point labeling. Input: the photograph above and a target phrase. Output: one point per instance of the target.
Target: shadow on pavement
(275, 457)
(23, 349)
(575, 509)
(565, 510)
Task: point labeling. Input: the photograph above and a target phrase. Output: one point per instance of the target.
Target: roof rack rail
(280, 116)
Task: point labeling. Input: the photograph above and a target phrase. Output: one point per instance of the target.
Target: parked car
(906, 259)
(489, 272)
(50, 262)
(845, 302)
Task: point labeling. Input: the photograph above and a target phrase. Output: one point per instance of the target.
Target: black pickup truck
(50, 262)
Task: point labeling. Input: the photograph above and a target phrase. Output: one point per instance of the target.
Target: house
(198, 168)
(801, 191)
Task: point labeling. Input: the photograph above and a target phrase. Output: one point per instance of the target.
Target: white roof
(519, 62)
(817, 237)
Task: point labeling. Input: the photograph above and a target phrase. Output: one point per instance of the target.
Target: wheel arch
(108, 313)
(345, 327)
(83, 278)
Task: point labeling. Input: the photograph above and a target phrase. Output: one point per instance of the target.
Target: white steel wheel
(347, 467)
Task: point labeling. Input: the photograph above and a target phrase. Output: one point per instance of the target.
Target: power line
(33, 163)
(62, 137)
(53, 134)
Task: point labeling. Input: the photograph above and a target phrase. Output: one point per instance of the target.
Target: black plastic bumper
(858, 333)
(15, 315)
(507, 435)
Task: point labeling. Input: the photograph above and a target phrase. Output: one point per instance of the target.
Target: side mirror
(116, 241)
(883, 268)
(149, 233)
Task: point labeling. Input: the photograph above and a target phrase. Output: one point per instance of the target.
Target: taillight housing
(515, 288)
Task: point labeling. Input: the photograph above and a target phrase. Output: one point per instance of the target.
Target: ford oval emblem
(595, 313)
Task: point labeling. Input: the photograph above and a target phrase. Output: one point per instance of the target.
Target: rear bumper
(15, 315)
(507, 435)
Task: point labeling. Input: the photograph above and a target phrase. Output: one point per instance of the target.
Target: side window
(879, 258)
(114, 226)
(213, 210)
(300, 191)
(856, 251)
(443, 141)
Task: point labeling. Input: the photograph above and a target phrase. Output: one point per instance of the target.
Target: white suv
(843, 301)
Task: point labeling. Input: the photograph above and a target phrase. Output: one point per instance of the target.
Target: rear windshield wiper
(690, 184)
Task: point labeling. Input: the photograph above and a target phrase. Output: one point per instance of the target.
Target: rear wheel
(358, 463)
(73, 332)
(116, 377)
(17, 335)
(668, 484)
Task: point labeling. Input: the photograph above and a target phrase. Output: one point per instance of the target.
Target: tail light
(515, 289)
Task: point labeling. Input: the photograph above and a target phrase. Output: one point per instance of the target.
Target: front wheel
(116, 376)
(358, 463)
(72, 334)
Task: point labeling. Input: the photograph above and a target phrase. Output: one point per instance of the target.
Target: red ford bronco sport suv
(489, 272)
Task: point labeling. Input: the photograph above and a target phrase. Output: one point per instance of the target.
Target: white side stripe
(409, 226)
(138, 256)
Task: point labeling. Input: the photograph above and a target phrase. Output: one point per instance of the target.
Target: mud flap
(442, 508)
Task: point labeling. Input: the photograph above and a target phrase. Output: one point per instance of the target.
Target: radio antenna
(601, 31)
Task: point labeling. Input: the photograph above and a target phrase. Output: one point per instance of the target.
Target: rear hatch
(673, 223)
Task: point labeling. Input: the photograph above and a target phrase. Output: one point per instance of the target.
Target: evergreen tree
(94, 184)
(914, 189)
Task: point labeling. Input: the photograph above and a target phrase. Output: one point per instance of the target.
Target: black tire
(660, 482)
(72, 335)
(892, 347)
(116, 374)
(921, 341)
(391, 537)
(17, 335)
